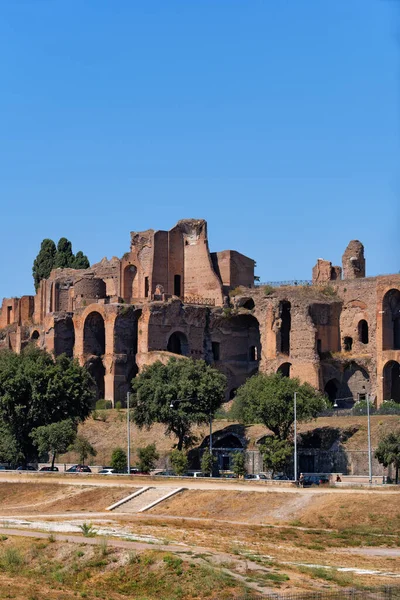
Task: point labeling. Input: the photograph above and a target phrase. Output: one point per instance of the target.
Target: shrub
(118, 405)
(87, 529)
(360, 408)
(239, 464)
(179, 461)
(148, 456)
(119, 460)
(103, 404)
(389, 407)
(268, 290)
(235, 292)
(207, 462)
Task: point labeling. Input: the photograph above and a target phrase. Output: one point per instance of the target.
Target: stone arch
(130, 273)
(97, 370)
(391, 320)
(125, 350)
(178, 343)
(35, 335)
(363, 332)
(228, 440)
(64, 337)
(286, 326)
(94, 335)
(284, 369)
(391, 381)
(332, 389)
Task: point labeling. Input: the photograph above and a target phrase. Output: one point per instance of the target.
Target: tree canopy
(54, 438)
(37, 390)
(180, 394)
(52, 257)
(388, 451)
(269, 399)
(83, 448)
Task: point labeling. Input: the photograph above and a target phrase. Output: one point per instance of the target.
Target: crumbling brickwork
(169, 296)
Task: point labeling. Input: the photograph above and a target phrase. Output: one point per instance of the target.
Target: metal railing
(290, 282)
(198, 300)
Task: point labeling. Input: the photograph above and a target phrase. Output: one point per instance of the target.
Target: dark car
(310, 480)
(48, 469)
(79, 469)
(166, 473)
(281, 477)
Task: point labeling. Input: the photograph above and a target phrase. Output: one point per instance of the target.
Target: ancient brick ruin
(170, 296)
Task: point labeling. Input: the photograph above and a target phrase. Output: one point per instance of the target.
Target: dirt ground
(52, 498)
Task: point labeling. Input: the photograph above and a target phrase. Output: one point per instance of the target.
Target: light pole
(295, 437)
(128, 431)
(369, 441)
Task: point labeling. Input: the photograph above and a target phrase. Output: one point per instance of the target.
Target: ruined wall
(233, 269)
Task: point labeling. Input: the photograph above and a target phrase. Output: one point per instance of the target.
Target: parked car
(257, 476)
(229, 476)
(79, 469)
(48, 469)
(310, 480)
(280, 477)
(107, 471)
(166, 473)
(25, 468)
(194, 474)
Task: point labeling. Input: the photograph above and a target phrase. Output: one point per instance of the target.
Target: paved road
(191, 484)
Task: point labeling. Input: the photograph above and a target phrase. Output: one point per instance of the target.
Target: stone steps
(147, 498)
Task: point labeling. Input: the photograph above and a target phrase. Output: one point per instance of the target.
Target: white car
(107, 471)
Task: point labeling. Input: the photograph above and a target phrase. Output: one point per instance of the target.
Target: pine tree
(44, 262)
(64, 256)
(81, 261)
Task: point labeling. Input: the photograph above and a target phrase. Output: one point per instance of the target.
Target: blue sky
(277, 121)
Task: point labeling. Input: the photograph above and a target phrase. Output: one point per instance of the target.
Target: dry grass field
(206, 544)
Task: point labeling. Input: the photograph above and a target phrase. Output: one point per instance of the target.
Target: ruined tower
(353, 261)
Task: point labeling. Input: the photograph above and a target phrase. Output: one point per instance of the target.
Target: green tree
(239, 464)
(388, 451)
(148, 457)
(64, 257)
(269, 399)
(180, 394)
(81, 261)
(119, 460)
(35, 390)
(83, 448)
(276, 453)
(44, 262)
(179, 461)
(207, 463)
(54, 438)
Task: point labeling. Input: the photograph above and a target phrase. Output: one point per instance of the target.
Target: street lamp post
(369, 441)
(128, 431)
(295, 437)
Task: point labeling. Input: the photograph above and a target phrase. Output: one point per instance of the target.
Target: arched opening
(391, 320)
(232, 393)
(97, 371)
(249, 304)
(64, 337)
(178, 344)
(363, 334)
(253, 356)
(284, 369)
(129, 279)
(177, 285)
(125, 349)
(391, 381)
(94, 335)
(215, 350)
(230, 440)
(35, 335)
(331, 390)
(286, 325)
(348, 344)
